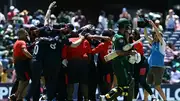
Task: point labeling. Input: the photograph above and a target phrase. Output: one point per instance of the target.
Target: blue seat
(146, 45)
(170, 42)
(167, 32)
(176, 48)
(177, 42)
(145, 42)
(172, 39)
(145, 48)
(177, 45)
(165, 35)
(176, 33)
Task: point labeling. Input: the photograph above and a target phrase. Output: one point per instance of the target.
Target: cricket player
(121, 64)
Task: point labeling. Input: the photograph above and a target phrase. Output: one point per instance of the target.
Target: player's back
(80, 52)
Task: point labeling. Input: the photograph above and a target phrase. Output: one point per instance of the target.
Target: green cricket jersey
(120, 63)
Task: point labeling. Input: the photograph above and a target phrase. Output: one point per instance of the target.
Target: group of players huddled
(55, 58)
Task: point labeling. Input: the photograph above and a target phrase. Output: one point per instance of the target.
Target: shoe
(12, 97)
(102, 98)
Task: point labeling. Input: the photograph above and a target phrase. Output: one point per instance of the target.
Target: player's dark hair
(102, 12)
(21, 32)
(108, 33)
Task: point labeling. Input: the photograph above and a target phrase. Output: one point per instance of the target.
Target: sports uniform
(46, 59)
(121, 65)
(140, 71)
(105, 71)
(21, 65)
(77, 67)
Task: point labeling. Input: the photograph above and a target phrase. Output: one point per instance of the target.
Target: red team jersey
(103, 49)
(139, 48)
(80, 52)
(17, 48)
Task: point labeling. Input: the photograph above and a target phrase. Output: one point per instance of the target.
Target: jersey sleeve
(98, 48)
(23, 44)
(139, 48)
(118, 42)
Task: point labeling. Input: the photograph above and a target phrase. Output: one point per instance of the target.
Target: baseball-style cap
(157, 21)
(123, 22)
(12, 8)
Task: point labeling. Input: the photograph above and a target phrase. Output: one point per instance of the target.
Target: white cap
(6, 36)
(53, 16)
(16, 10)
(15, 37)
(10, 26)
(12, 8)
(157, 21)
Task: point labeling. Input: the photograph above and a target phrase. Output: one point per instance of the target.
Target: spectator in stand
(3, 74)
(125, 14)
(175, 76)
(157, 23)
(80, 18)
(71, 14)
(171, 52)
(102, 21)
(11, 13)
(2, 18)
(170, 21)
(39, 15)
(135, 19)
(4, 61)
(63, 18)
(177, 24)
(25, 16)
(110, 21)
(73, 18)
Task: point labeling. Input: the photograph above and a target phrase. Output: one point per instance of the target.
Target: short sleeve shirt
(118, 42)
(49, 46)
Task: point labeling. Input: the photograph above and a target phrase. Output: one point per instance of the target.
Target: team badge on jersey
(53, 46)
(121, 40)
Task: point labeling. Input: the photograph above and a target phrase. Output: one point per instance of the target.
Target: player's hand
(81, 36)
(150, 21)
(89, 26)
(132, 52)
(52, 5)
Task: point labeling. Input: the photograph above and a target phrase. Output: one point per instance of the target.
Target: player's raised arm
(157, 32)
(48, 13)
(147, 37)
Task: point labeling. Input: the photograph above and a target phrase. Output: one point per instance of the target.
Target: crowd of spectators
(16, 19)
